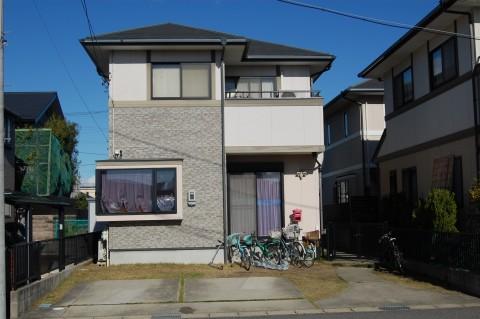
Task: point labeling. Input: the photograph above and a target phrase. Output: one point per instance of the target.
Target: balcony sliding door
(255, 202)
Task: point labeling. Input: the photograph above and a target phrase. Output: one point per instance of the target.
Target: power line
(89, 153)
(67, 71)
(386, 23)
(85, 113)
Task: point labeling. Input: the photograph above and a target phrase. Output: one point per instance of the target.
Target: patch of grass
(411, 282)
(317, 282)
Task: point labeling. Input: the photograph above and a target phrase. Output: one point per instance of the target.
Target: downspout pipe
(475, 86)
(362, 130)
(224, 157)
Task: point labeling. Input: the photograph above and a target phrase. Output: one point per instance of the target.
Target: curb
(322, 311)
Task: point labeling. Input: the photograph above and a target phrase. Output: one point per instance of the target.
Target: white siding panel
(274, 126)
(125, 66)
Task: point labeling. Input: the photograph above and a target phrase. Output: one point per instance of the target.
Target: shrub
(438, 212)
(474, 192)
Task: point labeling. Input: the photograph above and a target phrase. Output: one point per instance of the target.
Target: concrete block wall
(192, 134)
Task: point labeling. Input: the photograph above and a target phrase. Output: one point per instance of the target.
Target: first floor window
(142, 190)
(342, 192)
(393, 182)
(182, 80)
(409, 185)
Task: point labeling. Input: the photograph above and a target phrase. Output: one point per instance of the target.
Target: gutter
(224, 158)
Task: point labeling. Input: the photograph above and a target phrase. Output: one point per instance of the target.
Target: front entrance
(255, 202)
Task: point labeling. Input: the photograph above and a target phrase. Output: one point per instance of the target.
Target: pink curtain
(269, 203)
(127, 191)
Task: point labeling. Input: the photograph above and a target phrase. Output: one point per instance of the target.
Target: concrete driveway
(367, 289)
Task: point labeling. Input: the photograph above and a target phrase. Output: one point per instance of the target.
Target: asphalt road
(455, 313)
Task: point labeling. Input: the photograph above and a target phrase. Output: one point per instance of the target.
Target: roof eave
(439, 9)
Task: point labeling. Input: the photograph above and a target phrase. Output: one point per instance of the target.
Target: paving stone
(337, 310)
(281, 312)
(309, 311)
(252, 314)
(224, 314)
(422, 307)
(365, 309)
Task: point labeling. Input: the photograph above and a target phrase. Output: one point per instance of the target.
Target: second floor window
(403, 88)
(184, 80)
(443, 63)
(345, 124)
(250, 87)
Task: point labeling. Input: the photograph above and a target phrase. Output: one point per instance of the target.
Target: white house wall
(445, 114)
(295, 78)
(273, 126)
(125, 66)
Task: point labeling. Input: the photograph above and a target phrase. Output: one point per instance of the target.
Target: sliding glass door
(255, 202)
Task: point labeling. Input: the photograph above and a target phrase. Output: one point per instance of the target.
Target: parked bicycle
(264, 251)
(292, 249)
(390, 256)
(239, 249)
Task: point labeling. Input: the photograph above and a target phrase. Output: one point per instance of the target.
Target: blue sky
(32, 64)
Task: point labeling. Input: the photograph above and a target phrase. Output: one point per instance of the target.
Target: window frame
(329, 134)
(181, 97)
(248, 93)
(401, 75)
(342, 198)
(155, 214)
(346, 124)
(441, 46)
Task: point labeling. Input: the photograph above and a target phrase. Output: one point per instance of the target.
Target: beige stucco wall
(295, 78)
(289, 125)
(423, 161)
(298, 193)
(125, 66)
(445, 114)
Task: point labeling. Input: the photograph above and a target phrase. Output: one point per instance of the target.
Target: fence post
(61, 239)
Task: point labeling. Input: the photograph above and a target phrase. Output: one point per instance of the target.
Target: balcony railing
(286, 94)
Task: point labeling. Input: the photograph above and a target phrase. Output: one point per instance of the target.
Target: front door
(255, 202)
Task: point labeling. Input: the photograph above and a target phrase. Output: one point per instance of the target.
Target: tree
(67, 133)
(81, 201)
(438, 212)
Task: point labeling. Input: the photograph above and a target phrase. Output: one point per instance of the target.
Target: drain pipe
(475, 85)
(224, 157)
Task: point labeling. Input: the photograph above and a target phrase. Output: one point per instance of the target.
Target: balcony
(283, 94)
(273, 122)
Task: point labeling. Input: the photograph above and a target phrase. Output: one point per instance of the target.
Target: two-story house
(210, 134)
(354, 123)
(431, 104)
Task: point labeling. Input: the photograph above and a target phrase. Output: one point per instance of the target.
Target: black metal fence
(28, 262)
(456, 250)
(360, 239)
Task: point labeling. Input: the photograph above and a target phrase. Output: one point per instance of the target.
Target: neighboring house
(353, 124)
(170, 88)
(33, 162)
(431, 105)
(87, 189)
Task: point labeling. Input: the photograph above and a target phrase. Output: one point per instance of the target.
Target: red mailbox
(296, 215)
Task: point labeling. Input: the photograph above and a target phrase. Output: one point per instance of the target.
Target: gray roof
(31, 106)
(175, 33)
(364, 87)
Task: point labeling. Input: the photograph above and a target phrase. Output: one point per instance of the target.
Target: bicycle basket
(246, 239)
(275, 234)
(291, 231)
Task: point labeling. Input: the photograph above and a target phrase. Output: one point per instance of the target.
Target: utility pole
(3, 274)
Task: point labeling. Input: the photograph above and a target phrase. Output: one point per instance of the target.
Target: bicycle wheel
(309, 257)
(257, 254)
(398, 260)
(297, 253)
(246, 258)
(273, 255)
